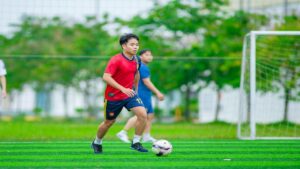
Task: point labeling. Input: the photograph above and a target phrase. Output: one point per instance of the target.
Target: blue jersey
(143, 91)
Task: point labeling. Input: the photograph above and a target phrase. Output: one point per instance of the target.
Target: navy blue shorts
(113, 108)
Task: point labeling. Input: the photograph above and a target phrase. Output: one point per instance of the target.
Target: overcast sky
(12, 10)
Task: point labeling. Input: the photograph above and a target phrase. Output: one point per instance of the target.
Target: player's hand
(4, 94)
(128, 92)
(160, 96)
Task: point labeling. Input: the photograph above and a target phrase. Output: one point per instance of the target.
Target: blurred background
(55, 52)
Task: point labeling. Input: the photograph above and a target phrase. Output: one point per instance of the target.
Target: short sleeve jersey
(123, 72)
(2, 68)
(143, 91)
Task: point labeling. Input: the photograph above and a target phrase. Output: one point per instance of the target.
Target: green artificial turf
(66, 144)
(186, 154)
(68, 130)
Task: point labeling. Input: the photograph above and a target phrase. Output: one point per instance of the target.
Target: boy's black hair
(125, 38)
(144, 51)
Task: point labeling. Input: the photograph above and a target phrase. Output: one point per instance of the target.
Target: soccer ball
(162, 147)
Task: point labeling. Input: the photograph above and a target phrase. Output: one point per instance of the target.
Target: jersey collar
(133, 58)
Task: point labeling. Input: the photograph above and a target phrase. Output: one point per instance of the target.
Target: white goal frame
(253, 35)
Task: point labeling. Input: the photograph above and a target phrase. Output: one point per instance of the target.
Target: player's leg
(102, 129)
(150, 116)
(140, 113)
(136, 106)
(111, 110)
(141, 121)
(147, 136)
(122, 135)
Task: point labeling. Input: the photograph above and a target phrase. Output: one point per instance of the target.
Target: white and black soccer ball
(162, 147)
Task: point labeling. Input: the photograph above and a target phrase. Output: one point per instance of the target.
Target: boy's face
(131, 47)
(147, 57)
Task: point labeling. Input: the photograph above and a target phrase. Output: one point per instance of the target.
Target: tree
(225, 40)
(42, 47)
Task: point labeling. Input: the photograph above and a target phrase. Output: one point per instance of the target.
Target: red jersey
(123, 72)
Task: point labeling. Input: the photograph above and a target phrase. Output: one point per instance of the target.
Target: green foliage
(49, 39)
(225, 40)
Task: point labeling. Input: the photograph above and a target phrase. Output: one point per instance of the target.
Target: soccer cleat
(97, 148)
(138, 147)
(148, 139)
(123, 137)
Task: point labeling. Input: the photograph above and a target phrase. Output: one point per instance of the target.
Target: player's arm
(136, 81)
(151, 86)
(109, 80)
(3, 85)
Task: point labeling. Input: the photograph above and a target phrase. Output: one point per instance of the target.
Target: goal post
(270, 86)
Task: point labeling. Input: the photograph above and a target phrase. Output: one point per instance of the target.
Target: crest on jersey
(111, 113)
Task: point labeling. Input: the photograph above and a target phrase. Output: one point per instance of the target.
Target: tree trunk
(287, 94)
(86, 102)
(65, 94)
(187, 103)
(218, 105)
(87, 99)
(47, 102)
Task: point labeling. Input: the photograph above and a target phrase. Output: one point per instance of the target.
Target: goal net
(270, 86)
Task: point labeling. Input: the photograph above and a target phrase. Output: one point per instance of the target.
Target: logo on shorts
(111, 113)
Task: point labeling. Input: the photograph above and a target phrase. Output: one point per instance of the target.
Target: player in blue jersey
(145, 90)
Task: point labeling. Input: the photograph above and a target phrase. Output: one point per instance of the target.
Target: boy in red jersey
(122, 76)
